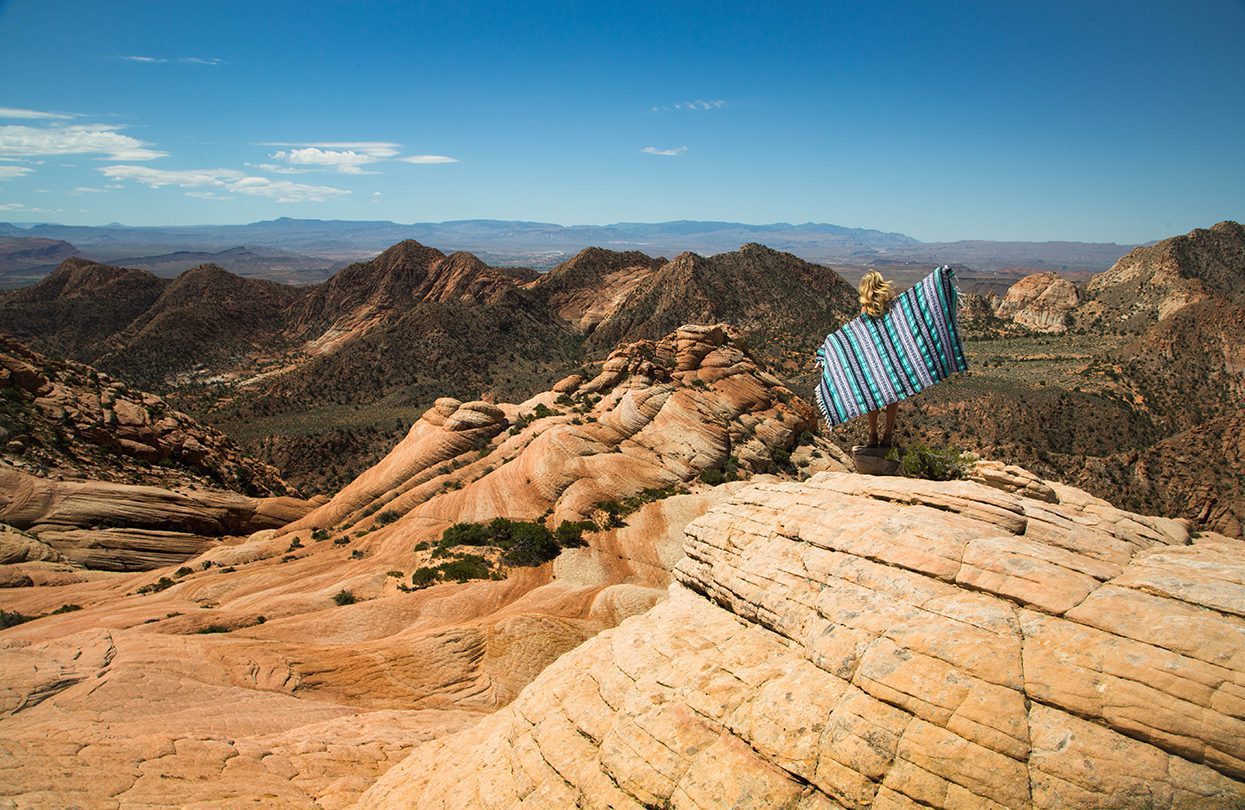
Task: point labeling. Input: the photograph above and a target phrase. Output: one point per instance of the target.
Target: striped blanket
(870, 362)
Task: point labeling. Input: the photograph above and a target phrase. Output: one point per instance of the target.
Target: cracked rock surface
(856, 642)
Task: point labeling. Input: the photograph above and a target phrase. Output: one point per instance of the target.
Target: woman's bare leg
(873, 428)
(891, 411)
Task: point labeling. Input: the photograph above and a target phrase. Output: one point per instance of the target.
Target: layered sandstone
(126, 527)
(860, 642)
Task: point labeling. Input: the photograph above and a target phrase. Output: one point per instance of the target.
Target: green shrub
(613, 513)
(466, 567)
(466, 534)
(932, 463)
(344, 597)
(341, 541)
(213, 628)
(423, 545)
(542, 410)
(10, 618)
(522, 542)
(425, 576)
(720, 475)
(357, 554)
(386, 517)
(564, 399)
(67, 609)
(184, 571)
(528, 544)
(158, 585)
(317, 535)
(571, 535)
(396, 574)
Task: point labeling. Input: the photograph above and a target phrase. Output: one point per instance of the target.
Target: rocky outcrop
(588, 288)
(65, 419)
(658, 415)
(861, 642)
(1152, 283)
(1042, 302)
(782, 304)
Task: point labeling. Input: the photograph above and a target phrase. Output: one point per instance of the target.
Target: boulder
(1043, 302)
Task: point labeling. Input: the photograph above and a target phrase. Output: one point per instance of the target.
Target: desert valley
(436, 532)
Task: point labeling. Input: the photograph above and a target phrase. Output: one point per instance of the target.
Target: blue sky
(944, 120)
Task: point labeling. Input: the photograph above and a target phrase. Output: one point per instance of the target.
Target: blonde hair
(875, 294)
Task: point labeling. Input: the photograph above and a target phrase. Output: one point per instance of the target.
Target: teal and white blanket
(870, 362)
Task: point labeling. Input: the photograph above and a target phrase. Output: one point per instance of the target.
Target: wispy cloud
(180, 60)
(428, 159)
(209, 195)
(230, 181)
(653, 150)
(9, 172)
(698, 104)
(28, 209)
(89, 190)
(17, 141)
(13, 112)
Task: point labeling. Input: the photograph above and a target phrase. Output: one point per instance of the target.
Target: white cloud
(344, 157)
(698, 104)
(345, 161)
(9, 172)
(183, 60)
(428, 159)
(89, 190)
(653, 150)
(231, 181)
(13, 112)
(76, 139)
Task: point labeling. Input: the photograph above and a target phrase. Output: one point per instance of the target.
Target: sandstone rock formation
(1042, 302)
(865, 642)
(124, 527)
(255, 684)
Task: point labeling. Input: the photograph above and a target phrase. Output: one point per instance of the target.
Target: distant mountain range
(543, 245)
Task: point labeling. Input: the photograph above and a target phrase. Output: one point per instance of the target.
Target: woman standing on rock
(898, 346)
(876, 294)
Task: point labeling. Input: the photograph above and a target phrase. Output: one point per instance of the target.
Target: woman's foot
(873, 441)
(888, 440)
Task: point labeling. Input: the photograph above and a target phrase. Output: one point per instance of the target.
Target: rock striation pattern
(124, 527)
(860, 642)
